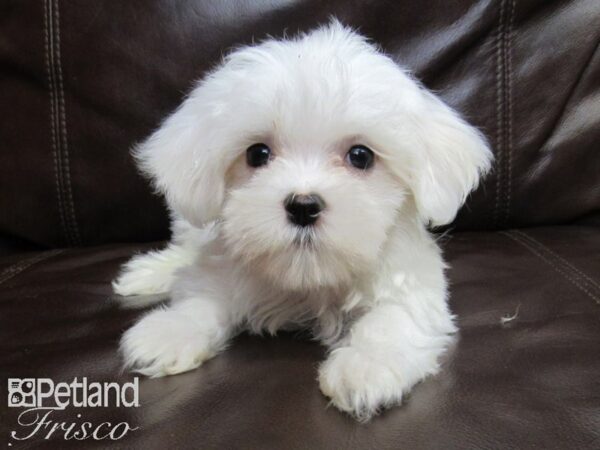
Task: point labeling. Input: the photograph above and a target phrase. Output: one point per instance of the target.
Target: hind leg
(152, 272)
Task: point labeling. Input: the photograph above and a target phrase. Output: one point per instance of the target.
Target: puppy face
(315, 213)
(306, 150)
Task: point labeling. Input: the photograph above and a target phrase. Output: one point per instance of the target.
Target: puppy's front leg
(179, 338)
(386, 352)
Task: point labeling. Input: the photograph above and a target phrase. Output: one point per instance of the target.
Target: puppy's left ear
(447, 159)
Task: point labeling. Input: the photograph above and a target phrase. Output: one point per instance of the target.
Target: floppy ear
(447, 159)
(186, 159)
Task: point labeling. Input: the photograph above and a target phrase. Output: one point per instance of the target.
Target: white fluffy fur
(368, 278)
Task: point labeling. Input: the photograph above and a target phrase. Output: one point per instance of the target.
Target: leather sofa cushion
(81, 82)
(527, 383)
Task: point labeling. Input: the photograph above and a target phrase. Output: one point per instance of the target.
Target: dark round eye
(360, 157)
(258, 155)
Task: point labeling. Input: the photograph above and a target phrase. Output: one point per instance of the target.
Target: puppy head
(307, 150)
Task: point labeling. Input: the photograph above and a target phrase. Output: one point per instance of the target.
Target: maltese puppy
(302, 175)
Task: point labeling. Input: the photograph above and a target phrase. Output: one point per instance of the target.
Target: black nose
(303, 210)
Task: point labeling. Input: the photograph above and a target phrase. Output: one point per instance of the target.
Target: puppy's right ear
(186, 160)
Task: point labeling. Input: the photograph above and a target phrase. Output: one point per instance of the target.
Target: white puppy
(302, 175)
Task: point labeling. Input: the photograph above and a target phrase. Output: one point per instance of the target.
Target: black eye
(258, 155)
(360, 157)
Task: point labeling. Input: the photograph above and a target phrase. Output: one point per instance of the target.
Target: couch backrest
(82, 81)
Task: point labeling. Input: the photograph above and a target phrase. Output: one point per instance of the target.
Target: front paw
(166, 342)
(359, 384)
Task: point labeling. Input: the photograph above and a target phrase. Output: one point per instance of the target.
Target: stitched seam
(541, 246)
(509, 112)
(548, 261)
(499, 141)
(544, 258)
(55, 124)
(22, 265)
(49, 57)
(71, 220)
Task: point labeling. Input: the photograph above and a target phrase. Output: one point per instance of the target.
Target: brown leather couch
(81, 81)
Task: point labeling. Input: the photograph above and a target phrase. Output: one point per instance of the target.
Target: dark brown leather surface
(531, 383)
(81, 81)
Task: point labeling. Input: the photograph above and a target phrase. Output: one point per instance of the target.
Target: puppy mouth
(304, 238)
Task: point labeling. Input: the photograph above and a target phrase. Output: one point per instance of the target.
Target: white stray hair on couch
(302, 175)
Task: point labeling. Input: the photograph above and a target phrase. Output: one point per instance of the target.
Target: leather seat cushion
(529, 382)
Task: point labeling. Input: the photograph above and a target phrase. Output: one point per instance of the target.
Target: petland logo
(42, 397)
